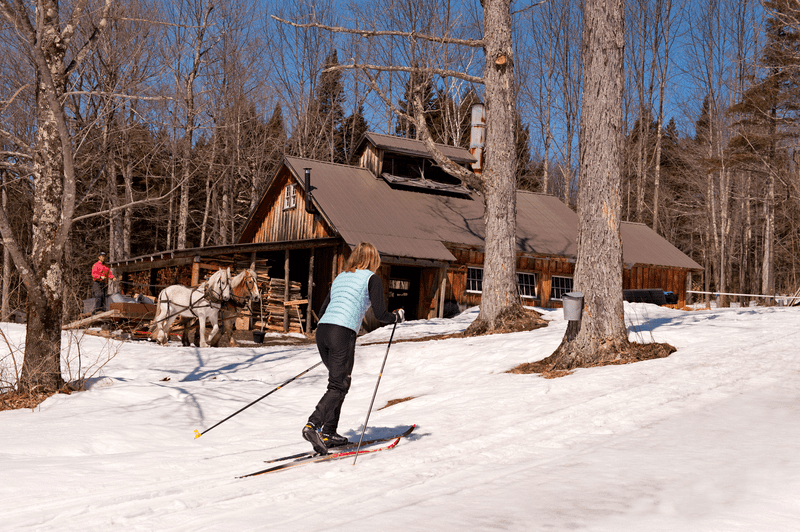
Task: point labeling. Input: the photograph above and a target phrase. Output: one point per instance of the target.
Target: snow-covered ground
(707, 439)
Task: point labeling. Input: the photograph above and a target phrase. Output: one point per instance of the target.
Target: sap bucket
(258, 337)
(573, 306)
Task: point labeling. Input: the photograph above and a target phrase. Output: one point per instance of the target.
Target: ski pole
(198, 434)
(374, 393)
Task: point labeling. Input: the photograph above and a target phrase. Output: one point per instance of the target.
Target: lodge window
(560, 286)
(474, 280)
(526, 283)
(290, 197)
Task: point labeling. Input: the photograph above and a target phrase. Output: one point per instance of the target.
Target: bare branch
(16, 155)
(19, 169)
(428, 71)
(10, 242)
(87, 47)
(119, 95)
(524, 9)
(473, 43)
(14, 97)
(21, 144)
(128, 205)
(72, 24)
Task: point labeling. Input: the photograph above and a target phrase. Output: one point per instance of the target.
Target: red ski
(350, 452)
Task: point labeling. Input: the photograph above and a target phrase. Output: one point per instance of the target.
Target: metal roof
(417, 147)
(406, 223)
(642, 245)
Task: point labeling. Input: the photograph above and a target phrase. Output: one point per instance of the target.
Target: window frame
(535, 285)
(564, 290)
(473, 280)
(290, 197)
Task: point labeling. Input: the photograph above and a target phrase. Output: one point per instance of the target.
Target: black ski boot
(312, 435)
(332, 439)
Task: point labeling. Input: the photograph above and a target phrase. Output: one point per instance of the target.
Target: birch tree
(49, 37)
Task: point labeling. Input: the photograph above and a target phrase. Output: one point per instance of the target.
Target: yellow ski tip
(196, 434)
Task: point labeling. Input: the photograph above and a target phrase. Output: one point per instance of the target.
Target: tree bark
(598, 272)
(499, 176)
(53, 179)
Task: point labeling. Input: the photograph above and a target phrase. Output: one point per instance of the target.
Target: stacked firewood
(273, 307)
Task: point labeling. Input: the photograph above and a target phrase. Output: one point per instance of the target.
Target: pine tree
(353, 128)
(318, 135)
(416, 83)
(329, 111)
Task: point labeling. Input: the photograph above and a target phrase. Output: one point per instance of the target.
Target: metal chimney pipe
(477, 140)
(309, 198)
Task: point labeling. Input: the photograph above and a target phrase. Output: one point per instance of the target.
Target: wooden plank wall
(371, 159)
(544, 267)
(291, 224)
(648, 276)
(640, 276)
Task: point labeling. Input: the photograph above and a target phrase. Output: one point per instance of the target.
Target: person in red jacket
(100, 276)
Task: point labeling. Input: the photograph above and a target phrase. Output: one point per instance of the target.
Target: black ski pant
(99, 295)
(337, 347)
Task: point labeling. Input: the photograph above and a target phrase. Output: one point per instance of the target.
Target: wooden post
(196, 271)
(335, 268)
(442, 289)
(310, 290)
(688, 296)
(286, 291)
(154, 290)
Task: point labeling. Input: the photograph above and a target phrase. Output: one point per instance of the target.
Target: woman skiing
(352, 293)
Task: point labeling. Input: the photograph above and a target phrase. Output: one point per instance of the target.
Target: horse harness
(208, 295)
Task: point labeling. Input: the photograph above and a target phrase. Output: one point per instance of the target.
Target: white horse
(244, 292)
(202, 303)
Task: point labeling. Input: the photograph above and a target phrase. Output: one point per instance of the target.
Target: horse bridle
(241, 301)
(209, 294)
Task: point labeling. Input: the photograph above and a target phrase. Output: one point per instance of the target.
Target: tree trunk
(41, 369)
(5, 310)
(499, 181)
(598, 272)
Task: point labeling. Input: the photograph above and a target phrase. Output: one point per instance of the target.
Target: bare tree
(192, 33)
(48, 35)
(598, 271)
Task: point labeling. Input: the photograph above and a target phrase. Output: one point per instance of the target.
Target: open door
(404, 290)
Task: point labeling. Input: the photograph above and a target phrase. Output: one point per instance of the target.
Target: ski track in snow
(702, 440)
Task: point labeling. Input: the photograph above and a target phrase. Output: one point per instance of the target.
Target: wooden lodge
(428, 228)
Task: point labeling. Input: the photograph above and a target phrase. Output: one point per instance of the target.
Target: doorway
(404, 290)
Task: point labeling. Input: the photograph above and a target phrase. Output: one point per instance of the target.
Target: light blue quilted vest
(349, 299)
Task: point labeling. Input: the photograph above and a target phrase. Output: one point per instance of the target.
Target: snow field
(705, 439)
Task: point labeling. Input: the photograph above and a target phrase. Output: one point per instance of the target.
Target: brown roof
(642, 245)
(412, 224)
(417, 148)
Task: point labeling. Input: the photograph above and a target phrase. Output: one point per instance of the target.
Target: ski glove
(401, 315)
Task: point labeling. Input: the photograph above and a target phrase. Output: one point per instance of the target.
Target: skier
(352, 293)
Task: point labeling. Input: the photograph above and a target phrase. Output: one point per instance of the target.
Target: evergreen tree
(329, 112)
(318, 135)
(353, 129)
(416, 83)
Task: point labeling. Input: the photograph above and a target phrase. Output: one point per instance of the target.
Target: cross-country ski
(338, 453)
(347, 447)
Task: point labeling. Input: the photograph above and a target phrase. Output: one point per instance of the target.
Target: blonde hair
(364, 257)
